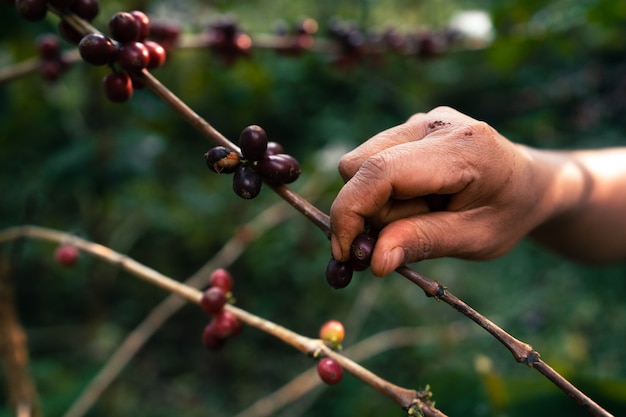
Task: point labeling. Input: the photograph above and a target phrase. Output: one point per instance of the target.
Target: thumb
(434, 235)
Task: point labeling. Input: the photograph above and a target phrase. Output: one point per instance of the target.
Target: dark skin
(446, 185)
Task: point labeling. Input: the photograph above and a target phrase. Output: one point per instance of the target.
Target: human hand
(441, 184)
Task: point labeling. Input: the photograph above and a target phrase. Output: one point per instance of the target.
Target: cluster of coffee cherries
(36, 10)
(260, 160)
(52, 64)
(228, 41)
(339, 274)
(66, 254)
(332, 333)
(128, 48)
(224, 324)
(297, 39)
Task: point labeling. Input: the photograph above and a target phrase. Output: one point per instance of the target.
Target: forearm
(587, 199)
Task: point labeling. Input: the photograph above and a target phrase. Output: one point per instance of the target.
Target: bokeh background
(131, 176)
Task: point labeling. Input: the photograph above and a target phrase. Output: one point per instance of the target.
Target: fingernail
(393, 259)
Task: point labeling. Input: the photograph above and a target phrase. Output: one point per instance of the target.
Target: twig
(405, 398)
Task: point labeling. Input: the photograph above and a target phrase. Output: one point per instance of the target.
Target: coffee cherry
(123, 27)
(361, 251)
(49, 47)
(143, 24)
(222, 160)
(332, 332)
(279, 168)
(157, 54)
(338, 274)
(226, 324)
(32, 10)
(50, 70)
(253, 142)
(97, 49)
(329, 371)
(66, 254)
(61, 4)
(165, 33)
(210, 340)
(118, 87)
(274, 148)
(133, 56)
(86, 9)
(221, 278)
(247, 182)
(213, 300)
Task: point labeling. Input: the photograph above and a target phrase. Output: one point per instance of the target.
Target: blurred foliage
(132, 177)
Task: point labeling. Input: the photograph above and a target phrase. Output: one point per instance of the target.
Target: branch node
(532, 358)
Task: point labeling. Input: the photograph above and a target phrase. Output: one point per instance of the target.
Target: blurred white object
(475, 27)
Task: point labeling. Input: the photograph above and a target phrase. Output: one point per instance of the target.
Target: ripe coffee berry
(66, 254)
(61, 4)
(226, 325)
(86, 9)
(50, 70)
(222, 160)
(49, 47)
(253, 142)
(361, 251)
(157, 54)
(247, 182)
(123, 27)
(143, 24)
(118, 87)
(69, 33)
(133, 56)
(332, 332)
(221, 278)
(213, 300)
(338, 274)
(97, 49)
(274, 148)
(32, 10)
(210, 340)
(279, 168)
(329, 371)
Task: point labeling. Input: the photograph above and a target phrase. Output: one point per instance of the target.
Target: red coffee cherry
(66, 254)
(118, 87)
(226, 324)
(123, 27)
(253, 142)
(157, 54)
(361, 251)
(86, 9)
(329, 371)
(247, 182)
(222, 160)
(279, 168)
(221, 278)
(209, 338)
(97, 49)
(338, 274)
(32, 10)
(133, 56)
(213, 300)
(332, 332)
(143, 24)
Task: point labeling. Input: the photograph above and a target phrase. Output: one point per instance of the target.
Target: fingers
(403, 172)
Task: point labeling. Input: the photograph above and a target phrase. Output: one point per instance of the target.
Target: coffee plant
(128, 48)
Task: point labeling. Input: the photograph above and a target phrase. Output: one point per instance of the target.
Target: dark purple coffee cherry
(222, 160)
(213, 300)
(86, 9)
(49, 47)
(123, 27)
(69, 33)
(247, 182)
(361, 251)
(32, 10)
(338, 274)
(61, 4)
(133, 56)
(118, 87)
(50, 70)
(97, 49)
(274, 148)
(253, 142)
(279, 168)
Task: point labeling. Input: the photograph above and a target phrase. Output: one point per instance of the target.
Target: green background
(132, 177)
